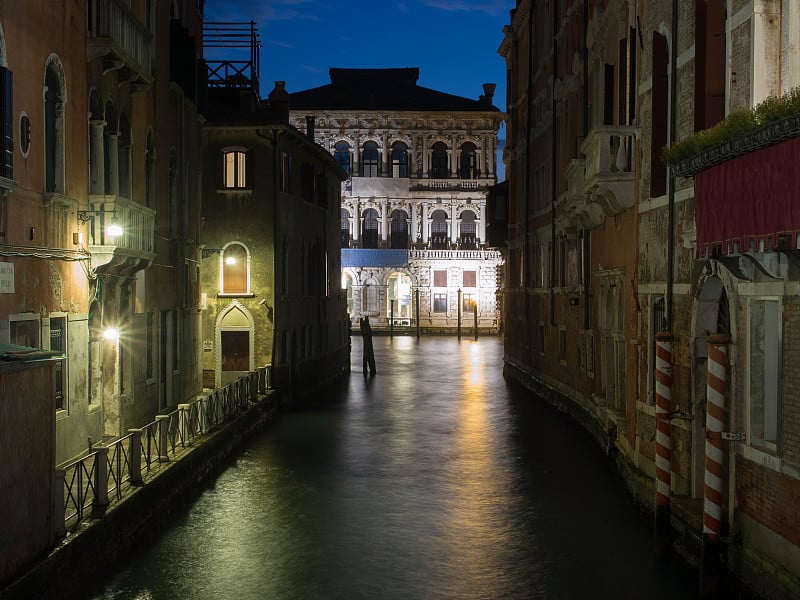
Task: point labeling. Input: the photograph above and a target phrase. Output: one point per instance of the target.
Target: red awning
(750, 199)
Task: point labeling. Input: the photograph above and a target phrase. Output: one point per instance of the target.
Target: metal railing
(107, 472)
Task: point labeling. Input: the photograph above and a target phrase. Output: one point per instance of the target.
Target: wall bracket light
(85, 215)
(206, 252)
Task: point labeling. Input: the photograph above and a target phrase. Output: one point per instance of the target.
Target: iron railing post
(135, 456)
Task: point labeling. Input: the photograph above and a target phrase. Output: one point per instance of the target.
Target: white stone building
(414, 211)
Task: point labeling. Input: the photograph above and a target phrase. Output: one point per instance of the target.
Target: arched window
(439, 237)
(235, 269)
(234, 171)
(6, 115)
(399, 160)
(124, 153)
(399, 239)
(341, 153)
(468, 166)
(370, 164)
(345, 216)
(467, 231)
(440, 168)
(55, 99)
(369, 229)
(709, 63)
(660, 117)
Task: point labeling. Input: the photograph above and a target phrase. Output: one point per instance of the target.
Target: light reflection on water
(432, 479)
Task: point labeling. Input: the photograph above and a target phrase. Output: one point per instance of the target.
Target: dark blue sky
(453, 42)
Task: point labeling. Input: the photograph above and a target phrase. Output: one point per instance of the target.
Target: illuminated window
(234, 169)
(440, 303)
(468, 303)
(235, 270)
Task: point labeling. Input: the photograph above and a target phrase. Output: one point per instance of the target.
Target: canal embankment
(87, 555)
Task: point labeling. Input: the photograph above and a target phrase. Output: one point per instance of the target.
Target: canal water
(434, 478)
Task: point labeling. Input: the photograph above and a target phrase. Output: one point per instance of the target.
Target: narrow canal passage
(433, 479)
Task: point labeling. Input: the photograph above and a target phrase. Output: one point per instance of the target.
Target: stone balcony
(608, 178)
(117, 36)
(127, 252)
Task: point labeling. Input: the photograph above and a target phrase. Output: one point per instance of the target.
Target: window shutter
(6, 126)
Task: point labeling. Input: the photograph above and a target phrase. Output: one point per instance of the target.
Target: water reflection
(432, 479)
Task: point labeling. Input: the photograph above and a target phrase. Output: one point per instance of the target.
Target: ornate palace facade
(413, 216)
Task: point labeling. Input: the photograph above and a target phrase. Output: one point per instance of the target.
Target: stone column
(425, 223)
(384, 218)
(413, 209)
(425, 158)
(453, 223)
(482, 224)
(356, 220)
(97, 185)
(112, 155)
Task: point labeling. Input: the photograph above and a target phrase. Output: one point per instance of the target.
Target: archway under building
(711, 315)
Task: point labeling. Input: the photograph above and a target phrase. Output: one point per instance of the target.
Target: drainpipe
(673, 96)
(587, 266)
(553, 178)
(272, 139)
(527, 168)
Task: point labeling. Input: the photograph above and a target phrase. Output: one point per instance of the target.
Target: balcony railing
(115, 32)
(609, 178)
(454, 254)
(135, 242)
(454, 184)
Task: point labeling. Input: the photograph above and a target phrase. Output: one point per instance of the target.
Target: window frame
(235, 169)
(227, 249)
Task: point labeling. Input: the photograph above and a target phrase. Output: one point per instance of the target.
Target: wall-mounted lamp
(85, 215)
(114, 230)
(111, 334)
(206, 252)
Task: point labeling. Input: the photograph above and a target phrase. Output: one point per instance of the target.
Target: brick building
(705, 247)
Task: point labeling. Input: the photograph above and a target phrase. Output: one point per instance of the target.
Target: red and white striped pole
(715, 425)
(711, 568)
(663, 440)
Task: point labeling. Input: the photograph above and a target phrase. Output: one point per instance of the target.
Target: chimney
(488, 92)
(310, 127)
(279, 102)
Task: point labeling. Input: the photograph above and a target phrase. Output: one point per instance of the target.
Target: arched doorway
(234, 343)
(712, 315)
(399, 290)
(468, 231)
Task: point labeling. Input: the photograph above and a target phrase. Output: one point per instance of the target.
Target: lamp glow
(111, 334)
(113, 231)
(230, 260)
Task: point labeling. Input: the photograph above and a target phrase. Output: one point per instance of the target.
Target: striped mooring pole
(661, 534)
(716, 419)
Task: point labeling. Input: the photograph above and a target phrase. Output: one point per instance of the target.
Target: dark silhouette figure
(369, 352)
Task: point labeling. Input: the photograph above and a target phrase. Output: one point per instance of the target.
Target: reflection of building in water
(414, 209)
